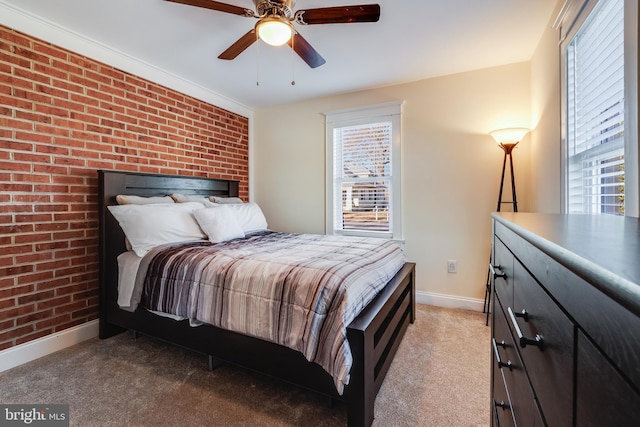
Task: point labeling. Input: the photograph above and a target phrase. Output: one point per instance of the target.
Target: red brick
(50, 50)
(15, 124)
(83, 99)
(54, 302)
(96, 94)
(35, 277)
(51, 246)
(52, 284)
(70, 324)
(98, 77)
(49, 169)
(51, 130)
(14, 102)
(33, 258)
(54, 321)
(31, 76)
(34, 297)
(15, 291)
(31, 158)
(71, 307)
(16, 332)
(86, 312)
(15, 229)
(49, 71)
(84, 63)
(50, 90)
(34, 336)
(66, 66)
(7, 324)
(117, 75)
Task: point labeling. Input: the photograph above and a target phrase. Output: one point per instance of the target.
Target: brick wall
(62, 117)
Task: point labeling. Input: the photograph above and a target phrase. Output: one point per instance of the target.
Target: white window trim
(631, 119)
(351, 117)
(569, 20)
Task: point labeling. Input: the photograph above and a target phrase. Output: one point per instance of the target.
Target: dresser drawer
(505, 353)
(603, 397)
(500, 405)
(503, 267)
(545, 337)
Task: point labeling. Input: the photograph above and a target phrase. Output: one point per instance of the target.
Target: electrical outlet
(452, 266)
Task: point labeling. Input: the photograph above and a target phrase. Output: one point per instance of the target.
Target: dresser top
(602, 249)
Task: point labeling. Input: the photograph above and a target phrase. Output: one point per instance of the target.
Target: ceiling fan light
(274, 31)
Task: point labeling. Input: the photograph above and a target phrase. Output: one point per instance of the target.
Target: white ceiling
(414, 40)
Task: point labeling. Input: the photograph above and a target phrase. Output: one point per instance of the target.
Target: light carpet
(440, 377)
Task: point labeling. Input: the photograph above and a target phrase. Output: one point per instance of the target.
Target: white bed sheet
(128, 265)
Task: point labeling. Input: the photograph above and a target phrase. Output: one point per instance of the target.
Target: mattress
(297, 290)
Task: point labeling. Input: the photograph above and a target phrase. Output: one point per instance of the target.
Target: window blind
(363, 177)
(595, 112)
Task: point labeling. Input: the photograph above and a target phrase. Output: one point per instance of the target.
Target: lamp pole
(508, 148)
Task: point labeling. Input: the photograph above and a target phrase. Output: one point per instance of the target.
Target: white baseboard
(449, 301)
(35, 349)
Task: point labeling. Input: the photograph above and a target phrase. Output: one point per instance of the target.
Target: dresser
(565, 320)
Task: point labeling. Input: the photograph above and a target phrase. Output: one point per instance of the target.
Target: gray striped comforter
(297, 290)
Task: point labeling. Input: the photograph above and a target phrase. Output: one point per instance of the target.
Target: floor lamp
(507, 139)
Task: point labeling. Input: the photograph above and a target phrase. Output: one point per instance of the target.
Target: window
(599, 146)
(363, 171)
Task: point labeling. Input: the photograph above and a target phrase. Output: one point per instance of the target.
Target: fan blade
(216, 5)
(340, 14)
(305, 51)
(239, 46)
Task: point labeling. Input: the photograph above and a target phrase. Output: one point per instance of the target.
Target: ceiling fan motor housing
(282, 8)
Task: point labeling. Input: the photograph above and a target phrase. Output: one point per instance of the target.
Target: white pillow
(147, 226)
(249, 216)
(225, 200)
(183, 198)
(124, 199)
(219, 223)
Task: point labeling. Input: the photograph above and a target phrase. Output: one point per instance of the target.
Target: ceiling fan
(275, 23)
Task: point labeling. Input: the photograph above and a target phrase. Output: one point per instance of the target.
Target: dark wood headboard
(111, 237)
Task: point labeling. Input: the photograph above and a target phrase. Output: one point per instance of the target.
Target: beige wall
(450, 167)
(545, 138)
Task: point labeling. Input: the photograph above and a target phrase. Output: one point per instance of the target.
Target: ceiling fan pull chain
(293, 77)
(257, 62)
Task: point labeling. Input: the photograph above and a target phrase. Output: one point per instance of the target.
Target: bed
(373, 336)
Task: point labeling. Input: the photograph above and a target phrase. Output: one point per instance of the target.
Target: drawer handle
(501, 364)
(524, 341)
(497, 405)
(524, 314)
(501, 404)
(496, 272)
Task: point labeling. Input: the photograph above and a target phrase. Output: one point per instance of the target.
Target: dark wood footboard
(374, 336)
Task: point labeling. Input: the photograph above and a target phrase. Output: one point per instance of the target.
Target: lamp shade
(509, 135)
(274, 31)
